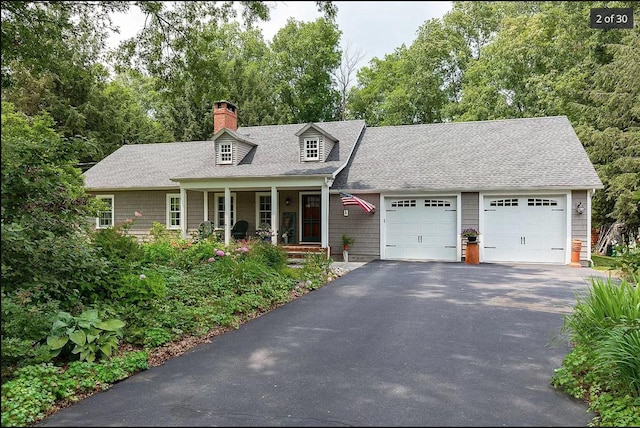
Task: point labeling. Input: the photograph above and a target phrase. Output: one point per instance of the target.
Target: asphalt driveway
(388, 344)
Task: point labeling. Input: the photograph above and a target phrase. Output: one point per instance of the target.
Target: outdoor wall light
(580, 208)
(287, 201)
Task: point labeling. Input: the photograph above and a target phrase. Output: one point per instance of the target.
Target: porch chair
(239, 230)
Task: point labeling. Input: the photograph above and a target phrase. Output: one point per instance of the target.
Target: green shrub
(628, 262)
(315, 269)
(86, 336)
(121, 249)
(605, 305)
(140, 288)
(268, 254)
(160, 252)
(618, 354)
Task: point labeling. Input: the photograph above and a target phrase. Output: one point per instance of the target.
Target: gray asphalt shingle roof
(498, 154)
(489, 155)
(277, 153)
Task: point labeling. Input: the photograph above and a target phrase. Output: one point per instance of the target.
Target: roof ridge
(470, 121)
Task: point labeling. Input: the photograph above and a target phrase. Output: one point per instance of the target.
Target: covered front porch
(294, 210)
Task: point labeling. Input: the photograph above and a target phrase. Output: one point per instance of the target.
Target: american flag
(349, 199)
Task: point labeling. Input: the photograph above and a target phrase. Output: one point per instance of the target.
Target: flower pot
(472, 238)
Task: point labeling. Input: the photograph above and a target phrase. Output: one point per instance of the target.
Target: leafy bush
(604, 368)
(315, 269)
(270, 255)
(159, 252)
(628, 262)
(25, 322)
(86, 335)
(140, 288)
(35, 389)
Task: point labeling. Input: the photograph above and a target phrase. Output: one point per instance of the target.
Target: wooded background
(481, 61)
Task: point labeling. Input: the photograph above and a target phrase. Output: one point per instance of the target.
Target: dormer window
(225, 153)
(311, 149)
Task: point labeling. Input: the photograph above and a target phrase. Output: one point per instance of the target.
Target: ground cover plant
(158, 299)
(603, 368)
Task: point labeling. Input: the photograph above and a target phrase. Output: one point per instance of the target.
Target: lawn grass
(603, 261)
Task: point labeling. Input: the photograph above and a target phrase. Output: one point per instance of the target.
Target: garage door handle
(449, 246)
(389, 245)
(489, 247)
(557, 248)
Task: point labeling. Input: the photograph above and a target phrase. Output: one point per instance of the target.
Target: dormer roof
(317, 127)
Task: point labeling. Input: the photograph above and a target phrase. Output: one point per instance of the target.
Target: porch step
(297, 253)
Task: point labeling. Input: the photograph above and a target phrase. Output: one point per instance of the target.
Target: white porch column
(274, 215)
(227, 216)
(324, 213)
(183, 212)
(205, 215)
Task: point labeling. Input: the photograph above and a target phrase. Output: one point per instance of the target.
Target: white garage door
(421, 228)
(524, 229)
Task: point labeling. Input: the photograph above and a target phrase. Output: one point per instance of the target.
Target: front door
(311, 217)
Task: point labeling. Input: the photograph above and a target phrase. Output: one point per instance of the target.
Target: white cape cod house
(526, 184)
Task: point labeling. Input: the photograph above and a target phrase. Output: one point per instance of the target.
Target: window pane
(264, 210)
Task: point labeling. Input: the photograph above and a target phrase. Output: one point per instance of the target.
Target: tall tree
(610, 130)
(304, 57)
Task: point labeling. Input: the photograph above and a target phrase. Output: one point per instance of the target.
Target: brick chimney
(225, 115)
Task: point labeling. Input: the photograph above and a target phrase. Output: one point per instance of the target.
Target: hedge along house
(526, 184)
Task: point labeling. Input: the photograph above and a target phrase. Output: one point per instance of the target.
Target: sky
(376, 28)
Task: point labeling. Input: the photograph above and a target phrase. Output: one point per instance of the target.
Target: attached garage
(524, 228)
(421, 228)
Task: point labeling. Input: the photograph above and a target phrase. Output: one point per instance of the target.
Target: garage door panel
(525, 229)
(421, 228)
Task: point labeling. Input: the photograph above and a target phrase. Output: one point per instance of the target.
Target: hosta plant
(87, 336)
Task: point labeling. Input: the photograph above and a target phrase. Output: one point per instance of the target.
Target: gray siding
(470, 217)
(579, 224)
(241, 151)
(151, 203)
(195, 210)
(363, 227)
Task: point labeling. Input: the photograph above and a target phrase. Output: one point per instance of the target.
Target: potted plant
(346, 241)
(264, 232)
(471, 234)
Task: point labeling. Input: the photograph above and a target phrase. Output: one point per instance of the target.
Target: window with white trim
(263, 204)
(173, 211)
(311, 149)
(105, 217)
(225, 153)
(219, 213)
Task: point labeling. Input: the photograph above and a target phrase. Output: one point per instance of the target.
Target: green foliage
(35, 389)
(44, 211)
(315, 269)
(156, 336)
(304, 55)
(628, 262)
(347, 240)
(87, 336)
(140, 289)
(619, 352)
(273, 256)
(25, 321)
(603, 368)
